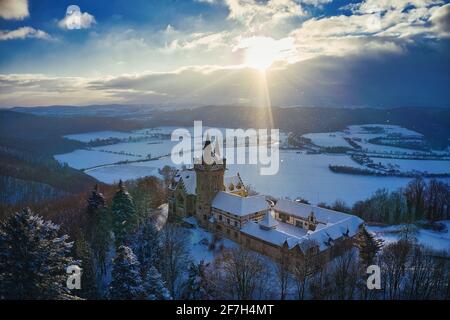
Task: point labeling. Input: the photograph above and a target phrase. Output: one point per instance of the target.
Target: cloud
(416, 77)
(75, 19)
(14, 9)
(441, 20)
(198, 41)
(373, 25)
(24, 33)
(254, 14)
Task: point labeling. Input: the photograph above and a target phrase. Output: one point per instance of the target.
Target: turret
(210, 179)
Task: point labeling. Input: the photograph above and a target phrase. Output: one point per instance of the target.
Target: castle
(276, 228)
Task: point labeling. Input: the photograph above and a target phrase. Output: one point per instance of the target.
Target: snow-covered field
(361, 134)
(83, 159)
(328, 139)
(100, 135)
(430, 166)
(143, 149)
(300, 174)
(439, 241)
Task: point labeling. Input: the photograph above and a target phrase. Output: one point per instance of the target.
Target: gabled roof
(188, 179)
(238, 205)
(337, 225)
(302, 210)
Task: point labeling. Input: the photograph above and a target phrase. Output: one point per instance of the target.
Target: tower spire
(207, 141)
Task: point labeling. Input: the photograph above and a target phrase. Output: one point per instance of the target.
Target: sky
(324, 53)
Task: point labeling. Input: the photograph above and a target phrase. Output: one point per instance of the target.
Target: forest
(116, 236)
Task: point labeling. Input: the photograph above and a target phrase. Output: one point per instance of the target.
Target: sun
(260, 53)
(259, 60)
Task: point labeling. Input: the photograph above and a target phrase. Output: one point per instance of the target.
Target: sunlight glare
(262, 52)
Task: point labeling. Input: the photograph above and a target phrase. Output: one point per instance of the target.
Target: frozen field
(328, 139)
(83, 159)
(361, 134)
(143, 149)
(430, 166)
(300, 174)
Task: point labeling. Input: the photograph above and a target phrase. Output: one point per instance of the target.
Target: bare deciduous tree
(175, 256)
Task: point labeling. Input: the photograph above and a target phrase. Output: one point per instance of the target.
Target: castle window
(220, 217)
(235, 224)
(228, 221)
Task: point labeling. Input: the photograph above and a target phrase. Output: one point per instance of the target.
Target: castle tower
(210, 180)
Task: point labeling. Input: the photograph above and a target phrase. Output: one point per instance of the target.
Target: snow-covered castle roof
(337, 225)
(188, 178)
(302, 210)
(238, 205)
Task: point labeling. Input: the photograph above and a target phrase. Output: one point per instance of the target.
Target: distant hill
(28, 172)
(28, 141)
(433, 123)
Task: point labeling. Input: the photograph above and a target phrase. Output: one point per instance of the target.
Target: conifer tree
(196, 287)
(95, 201)
(147, 245)
(155, 287)
(99, 227)
(368, 246)
(126, 281)
(124, 216)
(84, 254)
(33, 258)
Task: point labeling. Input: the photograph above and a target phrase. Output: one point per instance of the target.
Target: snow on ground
(439, 241)
(91, 136)
(430, 166)
(308, 176)
(300, 174)
(144, 148)
(112, 174)
(388, 129)
(362, 134)
(328, 139)
(83, 159)
(199, 240)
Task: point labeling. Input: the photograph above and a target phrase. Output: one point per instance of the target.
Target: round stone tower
(210, 172)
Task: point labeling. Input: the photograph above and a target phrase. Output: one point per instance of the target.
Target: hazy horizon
(279, 52)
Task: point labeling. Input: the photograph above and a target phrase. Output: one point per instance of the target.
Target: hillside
(433, 123)
(28, 172)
